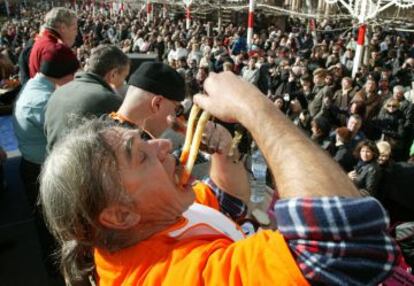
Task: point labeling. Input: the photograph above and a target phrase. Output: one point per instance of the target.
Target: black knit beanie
(159, 78)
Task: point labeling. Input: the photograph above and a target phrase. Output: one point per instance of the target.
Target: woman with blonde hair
(384, 149)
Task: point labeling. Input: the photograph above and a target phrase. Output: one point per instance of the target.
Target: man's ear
(109, 76)
(118, 217)
(156, 103)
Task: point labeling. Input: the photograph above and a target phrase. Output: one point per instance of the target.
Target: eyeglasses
(179, 110)
(391, 105)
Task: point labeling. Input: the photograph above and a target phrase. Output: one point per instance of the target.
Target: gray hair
(398, 88)
(78, 180)
(105, 58)
(58, 16)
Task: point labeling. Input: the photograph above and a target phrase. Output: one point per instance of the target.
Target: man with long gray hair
(114, 202)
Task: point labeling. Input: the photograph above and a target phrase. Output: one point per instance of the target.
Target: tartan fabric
(232, 207)
(338, 241)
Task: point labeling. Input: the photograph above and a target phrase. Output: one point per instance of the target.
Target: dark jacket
(396, 191)
(391, 125)
(407, 109)
(24, 72)
(315, 105)
(88, 94)
(343, 155)
(368, 176)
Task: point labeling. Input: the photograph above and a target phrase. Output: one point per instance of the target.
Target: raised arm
(301, 169)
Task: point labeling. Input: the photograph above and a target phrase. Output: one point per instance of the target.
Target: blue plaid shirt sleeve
(338, 241)
(232, 207)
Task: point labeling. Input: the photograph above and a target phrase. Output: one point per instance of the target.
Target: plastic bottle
(258, 184)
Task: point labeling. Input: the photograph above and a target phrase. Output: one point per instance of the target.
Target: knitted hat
(58, 62)
(159, 78)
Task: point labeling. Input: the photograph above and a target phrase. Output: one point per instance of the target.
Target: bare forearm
(301, 168)
(230, 176)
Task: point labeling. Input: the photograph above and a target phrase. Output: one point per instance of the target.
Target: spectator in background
(93, 92)
(342, 152)
(390, 125)
(395, 188)
(405, 75)
(367, 173)
(57, 68)
(384, 89)
(59, 32)
(372, 100)
(6, 67)
(23, 61)
(409, 95)
(228, 66)
(384, 157)
(342, 97)
(320, 132)
(319, 92)
(357, 107)
(407, 109)
(251, 72)
(153, 98)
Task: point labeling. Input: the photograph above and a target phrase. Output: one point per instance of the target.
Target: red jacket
(48, 39)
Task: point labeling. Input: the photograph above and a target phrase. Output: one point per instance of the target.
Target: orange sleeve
(205, 196)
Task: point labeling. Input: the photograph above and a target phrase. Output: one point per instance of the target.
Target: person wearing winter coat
(389, 126)
(367, 173)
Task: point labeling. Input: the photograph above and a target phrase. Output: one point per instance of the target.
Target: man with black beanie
(155, 92)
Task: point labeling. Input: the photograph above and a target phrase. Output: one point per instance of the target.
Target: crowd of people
(364, 123)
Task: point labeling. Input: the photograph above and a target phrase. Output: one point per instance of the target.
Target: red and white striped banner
(361, 34)
(250, 23)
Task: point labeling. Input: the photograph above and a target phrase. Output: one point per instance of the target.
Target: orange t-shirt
(201, 258)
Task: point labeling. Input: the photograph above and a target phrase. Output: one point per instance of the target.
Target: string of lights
(206, 8)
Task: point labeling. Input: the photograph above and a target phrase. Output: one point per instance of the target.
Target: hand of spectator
(228, 96)
(352, 175)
